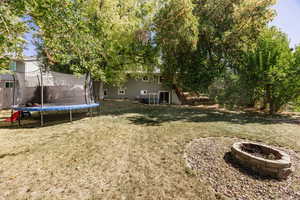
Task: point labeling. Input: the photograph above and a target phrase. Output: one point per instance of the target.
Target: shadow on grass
(148, 115)
(228, 158)
(156, 115)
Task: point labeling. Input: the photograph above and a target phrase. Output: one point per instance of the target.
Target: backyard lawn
(134, 151)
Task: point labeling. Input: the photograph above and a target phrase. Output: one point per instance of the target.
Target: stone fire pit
(262, 159)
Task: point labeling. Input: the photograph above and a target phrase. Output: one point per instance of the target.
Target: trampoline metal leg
(98, 110)
(70, 115)
(19, 120)
(11, 117)
(42, 118)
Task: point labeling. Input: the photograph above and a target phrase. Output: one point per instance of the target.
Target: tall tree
(227, 27)
(220, 30)
(272, 70)
(12, 28)
(176, 30)
(96, 35)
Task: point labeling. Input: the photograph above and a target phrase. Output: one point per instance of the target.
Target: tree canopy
(103, 37)
(271, 69)
(194, 43)
(176, 31)
(210, 36)
(12, 28)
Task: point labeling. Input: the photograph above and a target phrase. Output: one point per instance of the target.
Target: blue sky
(288, 20)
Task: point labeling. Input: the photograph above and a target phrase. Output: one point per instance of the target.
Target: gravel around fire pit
(211, 161)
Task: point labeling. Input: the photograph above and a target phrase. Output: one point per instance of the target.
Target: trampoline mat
(56, 107)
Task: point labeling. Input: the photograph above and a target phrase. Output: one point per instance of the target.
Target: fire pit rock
(262, 159)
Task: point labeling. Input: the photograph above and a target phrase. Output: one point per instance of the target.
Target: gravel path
(211, 161)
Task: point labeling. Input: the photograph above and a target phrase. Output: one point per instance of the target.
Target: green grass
(129, 151)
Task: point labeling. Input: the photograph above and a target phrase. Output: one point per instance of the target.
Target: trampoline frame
(42, 109)
(56, 108)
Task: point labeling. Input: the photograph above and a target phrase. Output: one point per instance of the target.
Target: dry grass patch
(130, 151)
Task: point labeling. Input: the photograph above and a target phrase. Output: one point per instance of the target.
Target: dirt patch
(211, 160)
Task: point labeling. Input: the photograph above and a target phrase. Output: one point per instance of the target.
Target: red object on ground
(15, 116)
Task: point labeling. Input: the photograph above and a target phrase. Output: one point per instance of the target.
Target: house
(146, 88)
(7, 81)
(26, 64)
(6, 90)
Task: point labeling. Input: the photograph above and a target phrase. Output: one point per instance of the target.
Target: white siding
(31, 66)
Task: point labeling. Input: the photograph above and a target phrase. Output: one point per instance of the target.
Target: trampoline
(45, 91)
(56, 108)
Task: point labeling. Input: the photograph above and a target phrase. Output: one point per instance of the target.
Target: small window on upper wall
(13, 66)
(145, 79)
(121, 92)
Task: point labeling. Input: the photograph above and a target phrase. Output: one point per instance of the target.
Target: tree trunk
(252, 102)
(264, 104)
(270, 100)
(265, 99)
(272, 109)
(180, 94)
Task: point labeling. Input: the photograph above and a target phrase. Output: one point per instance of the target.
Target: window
(164, 97)
(105, 92)
(144, 92)
(160, 79)
(9, 84)
(121, 92)
(145, 79)
(13, 66)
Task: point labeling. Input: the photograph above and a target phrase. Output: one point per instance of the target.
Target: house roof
(155, 71)
(6, 77)
(26, 58)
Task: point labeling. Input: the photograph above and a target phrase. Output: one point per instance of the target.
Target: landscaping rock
(213, 163)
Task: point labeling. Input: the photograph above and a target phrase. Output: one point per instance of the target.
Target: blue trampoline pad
(56, 108)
